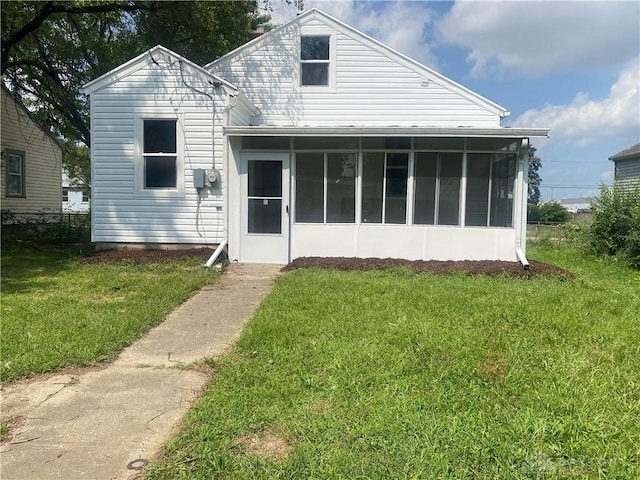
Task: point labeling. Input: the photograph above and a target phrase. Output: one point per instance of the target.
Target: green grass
(58, 312)
(398, 375)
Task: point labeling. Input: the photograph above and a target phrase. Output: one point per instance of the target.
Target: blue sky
(570, 66)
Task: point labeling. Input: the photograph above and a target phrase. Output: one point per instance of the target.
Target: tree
(534, 177)
(50, 49)
(553, 212)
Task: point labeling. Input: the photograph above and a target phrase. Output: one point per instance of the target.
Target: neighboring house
(311, 140)
(74, 199)
(627, 165)
(31, 163)
(576, 205)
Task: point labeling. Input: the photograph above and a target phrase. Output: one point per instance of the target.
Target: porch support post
(520, 201)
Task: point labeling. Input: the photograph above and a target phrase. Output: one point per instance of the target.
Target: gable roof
(315, 14)
(147, 58)
(627, 153)
(26, 111)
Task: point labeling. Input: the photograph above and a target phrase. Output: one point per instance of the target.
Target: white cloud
(534, 38)
(400, 25)
(585, 120)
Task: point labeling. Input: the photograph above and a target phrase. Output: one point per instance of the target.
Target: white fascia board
(410, 63)
(254, 44)
(146, 59)
(374, 44)
(248, 104)
(273, 131)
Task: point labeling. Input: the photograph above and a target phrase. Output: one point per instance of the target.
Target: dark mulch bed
(139, 256)
(471, 267)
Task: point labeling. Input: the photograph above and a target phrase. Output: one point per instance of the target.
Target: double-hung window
(160, 154)
(315, 60)
(15, 173)
(159, 162)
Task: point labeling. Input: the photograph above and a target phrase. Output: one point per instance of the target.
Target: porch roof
(388, 131)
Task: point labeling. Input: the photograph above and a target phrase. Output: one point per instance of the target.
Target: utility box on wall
(205, 178)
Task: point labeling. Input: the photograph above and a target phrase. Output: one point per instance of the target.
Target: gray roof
(627, 153)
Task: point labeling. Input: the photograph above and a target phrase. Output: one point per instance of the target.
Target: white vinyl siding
(42, 162)
(120, 213)
(371, 89)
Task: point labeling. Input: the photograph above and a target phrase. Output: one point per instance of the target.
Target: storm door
(265, 207)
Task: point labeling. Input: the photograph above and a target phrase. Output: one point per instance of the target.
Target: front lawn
(59, 312)
(402, 375)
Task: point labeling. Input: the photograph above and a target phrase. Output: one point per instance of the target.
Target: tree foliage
(534, 176)
(548, 212)
(50, 49)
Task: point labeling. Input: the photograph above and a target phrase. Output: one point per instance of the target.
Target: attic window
(315, 60)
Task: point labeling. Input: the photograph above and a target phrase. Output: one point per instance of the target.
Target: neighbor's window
(315, 60)
(160, 154)
(65, 194)
(15, 173)
(326, 187)
(86, 195)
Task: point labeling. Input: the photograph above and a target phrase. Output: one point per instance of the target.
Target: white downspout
(521, 258)
(523, 182)
(216, 254)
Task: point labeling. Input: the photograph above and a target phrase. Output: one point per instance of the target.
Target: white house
(311, 140)
(75, 199)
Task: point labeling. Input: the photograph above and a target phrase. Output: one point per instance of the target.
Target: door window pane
(310, 187)
(477, 203)
(372, 181)
(449, 201)
(341, 187)
(425, 188)
(265, 178)
(264, 205)
(265, 215)
(396, 188)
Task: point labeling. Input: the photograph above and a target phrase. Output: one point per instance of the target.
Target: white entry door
(265, 207)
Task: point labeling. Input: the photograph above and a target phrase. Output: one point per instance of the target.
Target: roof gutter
(345, 131)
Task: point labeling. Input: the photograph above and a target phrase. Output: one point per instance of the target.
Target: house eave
(350, 131)
(134, 64)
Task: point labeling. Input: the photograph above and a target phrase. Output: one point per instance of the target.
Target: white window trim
(23, 166)
(332, 61)
(139, 155)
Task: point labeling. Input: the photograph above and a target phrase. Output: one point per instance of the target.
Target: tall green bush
(615, 229)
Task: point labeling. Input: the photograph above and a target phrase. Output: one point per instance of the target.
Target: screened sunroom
(415, 197)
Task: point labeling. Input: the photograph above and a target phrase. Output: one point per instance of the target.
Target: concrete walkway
(105, 423)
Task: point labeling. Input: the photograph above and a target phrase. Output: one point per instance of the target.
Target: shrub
(553, 212)
(615, 229)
